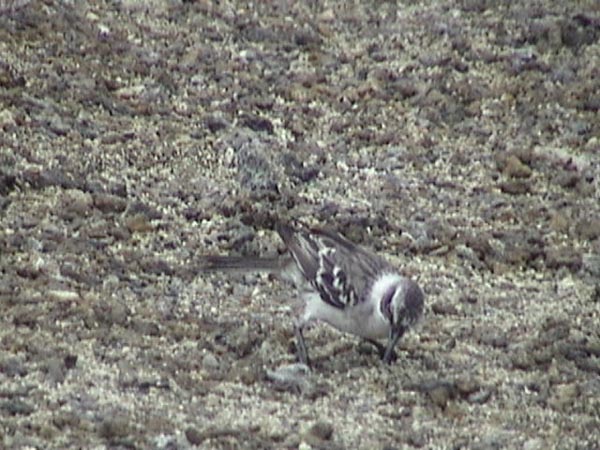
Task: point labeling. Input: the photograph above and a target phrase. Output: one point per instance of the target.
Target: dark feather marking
(331, 281)
(323, 258)
(386, 305)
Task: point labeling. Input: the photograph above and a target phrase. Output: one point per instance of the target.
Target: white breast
(363, 319)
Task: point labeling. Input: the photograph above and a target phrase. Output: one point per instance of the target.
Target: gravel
(459, 139)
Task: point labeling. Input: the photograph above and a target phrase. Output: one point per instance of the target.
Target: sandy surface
(459, 139)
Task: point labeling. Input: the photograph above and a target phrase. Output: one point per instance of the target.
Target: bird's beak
(396, 333)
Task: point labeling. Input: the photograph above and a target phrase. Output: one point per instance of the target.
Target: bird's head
(402, 303)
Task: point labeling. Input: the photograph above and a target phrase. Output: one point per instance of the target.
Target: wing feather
(337, 269)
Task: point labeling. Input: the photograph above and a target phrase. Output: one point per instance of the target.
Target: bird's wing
(338, 270)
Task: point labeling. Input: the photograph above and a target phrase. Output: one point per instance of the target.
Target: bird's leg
(395, 335)
(301, 344)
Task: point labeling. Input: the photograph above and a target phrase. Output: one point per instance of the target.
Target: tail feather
(212, 263)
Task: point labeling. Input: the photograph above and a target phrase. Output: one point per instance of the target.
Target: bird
(341, 283)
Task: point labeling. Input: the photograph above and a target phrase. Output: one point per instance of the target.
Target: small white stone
(209, 361)
(7, 118)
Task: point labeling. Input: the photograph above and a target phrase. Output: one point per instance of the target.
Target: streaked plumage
(342, 284)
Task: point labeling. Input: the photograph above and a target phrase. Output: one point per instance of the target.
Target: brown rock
(16, 407)
(559, 222)
(588, 228)
(77, 202)
(563, 396)
(466, 386)
(322, 431)
(515, 187)
(56, 370)
(440, 395)
(522, 360)
(194, 436)
(138, 223)
(444, 309)
(564, 256)
(492, 337)
(108, 203)
(114, 427)
(567, 179)
(440, 392)
(514, 168)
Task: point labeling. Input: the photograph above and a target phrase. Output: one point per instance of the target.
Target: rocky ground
(461, 139)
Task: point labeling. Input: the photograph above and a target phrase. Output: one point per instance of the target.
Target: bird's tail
(212, 263)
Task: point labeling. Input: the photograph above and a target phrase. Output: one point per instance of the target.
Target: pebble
(78, 202)
(62, 296)
(130, 92)
(194, 436)
(114, 427)
(480, 397)
(446, 309)
(439, 391)
(515, 187)
(563, 396)
(209, 361)
(109, 203)
(559, 222)
(13, 367)
(591, 264)
(534, 444)
(7, 119)
(138, 223)
(17, 407)
(322, 430)
(515, 168)
(56, 370)
(294, 377)
(588, 229)
(564, 256)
